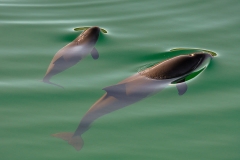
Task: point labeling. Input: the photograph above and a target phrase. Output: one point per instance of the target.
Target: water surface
(201, 124)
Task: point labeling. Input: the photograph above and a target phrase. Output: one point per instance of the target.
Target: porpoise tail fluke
(75, 141)
(48, 82)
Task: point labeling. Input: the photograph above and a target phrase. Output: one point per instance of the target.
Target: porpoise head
(177, 66)
(89, 36)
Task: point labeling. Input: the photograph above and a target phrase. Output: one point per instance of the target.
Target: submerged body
(138, 87)
(73, 52)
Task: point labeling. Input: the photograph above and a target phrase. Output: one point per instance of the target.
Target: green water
(202, 124)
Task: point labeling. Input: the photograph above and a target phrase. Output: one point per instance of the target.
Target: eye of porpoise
(73, 52)
(136, 88)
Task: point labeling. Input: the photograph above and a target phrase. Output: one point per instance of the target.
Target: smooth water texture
(201, 124)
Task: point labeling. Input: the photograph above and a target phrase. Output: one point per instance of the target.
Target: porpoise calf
(73, 52)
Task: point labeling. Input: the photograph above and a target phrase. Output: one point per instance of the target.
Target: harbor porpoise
(73, 52)
(138, 87)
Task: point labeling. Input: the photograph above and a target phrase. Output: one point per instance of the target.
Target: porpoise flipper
(75, 141)
(94, 53)
(48, 82)
(181, 87)
(117, 91)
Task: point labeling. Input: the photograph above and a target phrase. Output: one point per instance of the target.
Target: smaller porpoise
(73, 52)
(138, 87)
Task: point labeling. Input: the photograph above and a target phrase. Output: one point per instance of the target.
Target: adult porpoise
(137, 87)
(73, 52)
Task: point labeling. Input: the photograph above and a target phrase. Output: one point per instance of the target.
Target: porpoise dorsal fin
(94, 53)
(117, 91)
(181, 87)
